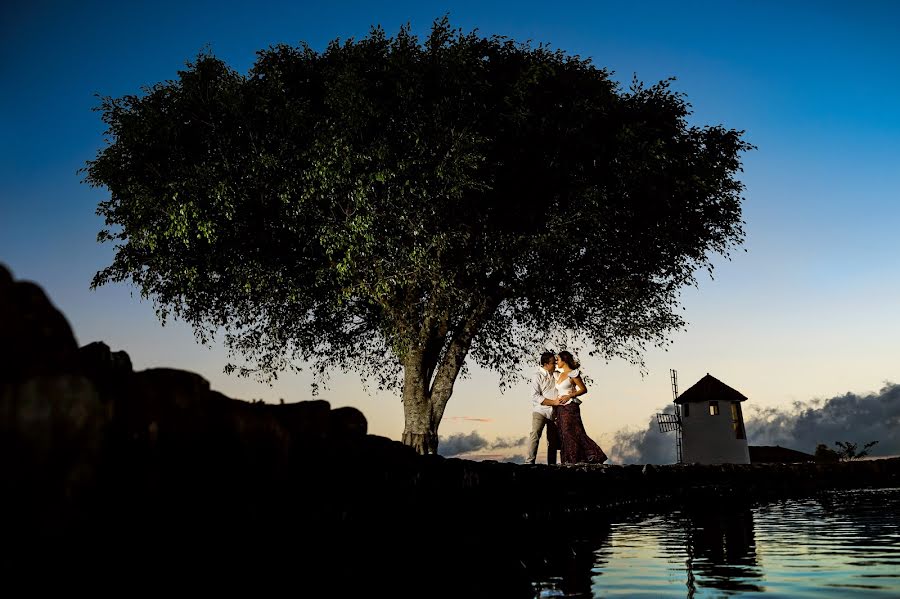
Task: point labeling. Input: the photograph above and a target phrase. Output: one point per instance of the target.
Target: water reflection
(682, 553)
(834, 544)
(843, 542)
(720, 548)
(564, 565)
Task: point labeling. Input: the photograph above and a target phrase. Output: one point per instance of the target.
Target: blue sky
(810, 310)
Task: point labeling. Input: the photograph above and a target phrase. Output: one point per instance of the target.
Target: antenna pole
(672, 422)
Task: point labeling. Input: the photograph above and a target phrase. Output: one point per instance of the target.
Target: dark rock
(6, 279)
(35, 338)
(98, 362)
(347, 422)
(186, 387)
(308, 423)
(52, 430)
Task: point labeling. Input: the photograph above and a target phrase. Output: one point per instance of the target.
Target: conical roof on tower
(709, 388)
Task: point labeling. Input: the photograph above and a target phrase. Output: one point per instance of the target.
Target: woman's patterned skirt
(575, 445)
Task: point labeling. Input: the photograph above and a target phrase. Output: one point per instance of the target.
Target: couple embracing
(555, 388)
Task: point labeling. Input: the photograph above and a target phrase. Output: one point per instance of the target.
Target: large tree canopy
(392, 202)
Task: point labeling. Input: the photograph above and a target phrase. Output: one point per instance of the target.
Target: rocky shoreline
(112, 474)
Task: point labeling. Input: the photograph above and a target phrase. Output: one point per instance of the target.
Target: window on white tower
(737, 421)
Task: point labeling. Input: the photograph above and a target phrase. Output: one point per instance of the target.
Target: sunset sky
(810, 311)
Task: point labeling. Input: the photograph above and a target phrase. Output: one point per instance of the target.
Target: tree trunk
(420, 427)
(427, 384)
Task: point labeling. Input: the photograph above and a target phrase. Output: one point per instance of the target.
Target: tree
(826, 454)
(847, 450)
(394, 203)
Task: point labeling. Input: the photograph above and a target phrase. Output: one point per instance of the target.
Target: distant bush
(845, 452)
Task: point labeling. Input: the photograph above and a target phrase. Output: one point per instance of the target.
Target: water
(837, 544)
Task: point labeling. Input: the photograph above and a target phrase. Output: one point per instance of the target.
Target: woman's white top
(567, 386)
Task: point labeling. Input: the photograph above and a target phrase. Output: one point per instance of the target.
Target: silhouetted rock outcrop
(35, 338)
(99, 460)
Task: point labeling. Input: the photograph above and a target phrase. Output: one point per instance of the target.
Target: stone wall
(110, 476)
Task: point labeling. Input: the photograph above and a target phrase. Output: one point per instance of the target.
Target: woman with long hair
(575, 445)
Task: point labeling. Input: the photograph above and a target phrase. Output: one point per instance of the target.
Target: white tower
(712, 424)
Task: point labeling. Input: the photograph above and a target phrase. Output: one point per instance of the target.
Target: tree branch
(455, 356)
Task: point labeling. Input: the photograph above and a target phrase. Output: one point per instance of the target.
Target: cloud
(470, 418)
(848, 417)
(508, 443)
(462, 443)
(647, 446)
